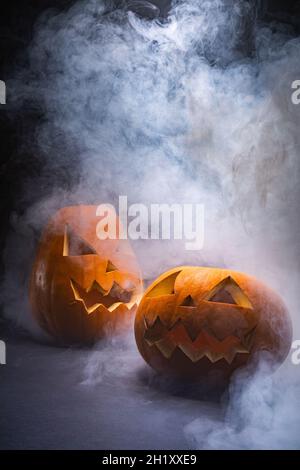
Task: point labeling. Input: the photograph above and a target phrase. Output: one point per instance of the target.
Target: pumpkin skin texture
(81, 287)
(203, 323)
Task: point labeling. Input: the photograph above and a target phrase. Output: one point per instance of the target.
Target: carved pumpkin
(82, 287)
(203, 322)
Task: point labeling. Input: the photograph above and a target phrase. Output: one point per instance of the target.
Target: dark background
(18, 163)
(43, 402)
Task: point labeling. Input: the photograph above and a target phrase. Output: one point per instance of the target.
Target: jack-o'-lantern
(82, 287)
(202, 322)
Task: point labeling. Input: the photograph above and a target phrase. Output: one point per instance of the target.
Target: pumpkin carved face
(200, 321)
(82, 287)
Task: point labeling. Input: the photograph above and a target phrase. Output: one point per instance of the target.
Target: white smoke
(194, 109)
(116, 356)
(261, 414)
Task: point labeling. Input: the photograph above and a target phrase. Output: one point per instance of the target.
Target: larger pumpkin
(199, 322)
(82, 287)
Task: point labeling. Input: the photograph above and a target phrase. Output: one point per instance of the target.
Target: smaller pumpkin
(202, 322)
(83, 288)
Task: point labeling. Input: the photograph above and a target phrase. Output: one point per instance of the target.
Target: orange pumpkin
(82, 287)
(202, 322)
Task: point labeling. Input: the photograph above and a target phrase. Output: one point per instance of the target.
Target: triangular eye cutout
(229, 292)
(188, 302)
(74, 245)
(223, 296)
(165, 287)
(110, 267)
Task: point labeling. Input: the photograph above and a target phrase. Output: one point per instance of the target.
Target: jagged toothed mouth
(204, 345)
(95, 296)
